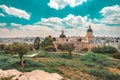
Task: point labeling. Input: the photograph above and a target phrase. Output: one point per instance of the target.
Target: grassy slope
(88, 67)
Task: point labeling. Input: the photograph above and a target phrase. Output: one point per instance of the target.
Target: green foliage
(6, 61)
(91, 63)
(104, 74)
(117, 55)
(50, 48)
(20, 48)
(105, 49)
(61, 47)
(67, 47)
(92, 59)
(31, 47)
(2, 46)
(48, 45)
(9, 49)
(45, 54)
(37, 43)
(84, 49)
(31, 63)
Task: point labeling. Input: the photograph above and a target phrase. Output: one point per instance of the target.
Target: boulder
(12, 72)
(33, 75)
(1, 73)
(9, 73)
(38, 75)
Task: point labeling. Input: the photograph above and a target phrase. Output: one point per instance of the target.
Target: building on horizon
(88, 42)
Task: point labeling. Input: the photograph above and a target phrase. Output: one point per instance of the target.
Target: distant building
(87, 42)
(77, 41)
(62, 37)
(89, 37)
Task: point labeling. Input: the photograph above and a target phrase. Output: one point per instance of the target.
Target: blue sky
(20, 18)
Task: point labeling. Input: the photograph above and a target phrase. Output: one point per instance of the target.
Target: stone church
(79, 44)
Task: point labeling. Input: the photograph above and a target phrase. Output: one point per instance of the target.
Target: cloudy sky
(21, 18)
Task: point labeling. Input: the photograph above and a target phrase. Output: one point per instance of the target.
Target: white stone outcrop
(33, 75)
(9, 73)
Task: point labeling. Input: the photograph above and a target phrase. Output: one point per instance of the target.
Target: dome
(62, 36)
(89, 30)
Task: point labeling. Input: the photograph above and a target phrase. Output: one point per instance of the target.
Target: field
(90, 66)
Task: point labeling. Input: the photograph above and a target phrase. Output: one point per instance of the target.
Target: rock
(57, 76)
(9, 73)
(38, 75)
(1, 73)
(12, 72)
(33, 75)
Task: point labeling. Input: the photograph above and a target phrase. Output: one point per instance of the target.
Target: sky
(32, 18)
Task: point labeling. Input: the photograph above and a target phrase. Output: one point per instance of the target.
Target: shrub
(6, 62)
(105, 49)
(84, 49)
(31, 47)
(60, 47)
(47, 44)
(31, 63)
(117, 55)
(106, 75)
(2, 46)
(50, 48)
(37, 43)
(67, 47)
(9, 49)
(92, 59)
(20, 48)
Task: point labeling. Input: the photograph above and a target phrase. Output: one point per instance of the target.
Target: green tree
(21, 49)
(9, 49)
(37, 43)
(61, 47)
(47, 44)
(31, 47)
(68, 47)
(105, 49)
(2, 46)
(18, 48)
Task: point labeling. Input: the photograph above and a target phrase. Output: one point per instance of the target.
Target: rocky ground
(33, 75)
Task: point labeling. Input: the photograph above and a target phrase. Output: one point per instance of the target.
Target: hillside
(90, 66)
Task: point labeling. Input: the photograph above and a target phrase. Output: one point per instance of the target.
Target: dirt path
(30, 56)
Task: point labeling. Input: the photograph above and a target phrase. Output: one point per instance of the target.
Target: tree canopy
(47, 44)
(18, 48)
(37, 43)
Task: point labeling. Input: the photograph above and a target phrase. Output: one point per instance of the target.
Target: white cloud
(15, 12)
(43, 31)
(2, 24)
(51, 20)
(73, 26)
(60, 4)
(28, 30)
(16, 25)
(111, 15)
(1, 14)
(79, 26)
(111, 10)
(105, 30)
(74, 21)
(68, 21)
